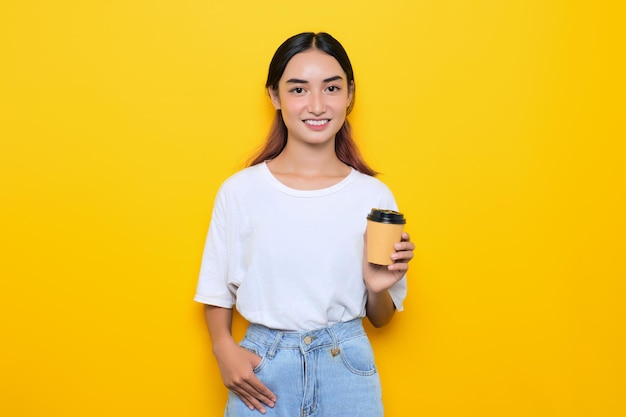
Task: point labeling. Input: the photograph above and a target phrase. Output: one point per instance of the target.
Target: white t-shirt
(291, 259)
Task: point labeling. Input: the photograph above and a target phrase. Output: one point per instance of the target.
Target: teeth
(316, 122)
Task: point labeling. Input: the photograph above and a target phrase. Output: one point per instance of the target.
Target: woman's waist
(325, 336)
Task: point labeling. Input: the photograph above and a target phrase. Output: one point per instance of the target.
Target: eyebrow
(327, 80)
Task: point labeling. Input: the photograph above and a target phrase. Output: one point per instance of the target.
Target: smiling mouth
(316, 122)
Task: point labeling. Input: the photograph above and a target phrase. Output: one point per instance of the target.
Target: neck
(309, 160)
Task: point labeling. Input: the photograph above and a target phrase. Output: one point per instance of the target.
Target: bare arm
(236, 363)
(380, 308)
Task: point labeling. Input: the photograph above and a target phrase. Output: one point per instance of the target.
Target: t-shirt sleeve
(213, 287)
(398, 293)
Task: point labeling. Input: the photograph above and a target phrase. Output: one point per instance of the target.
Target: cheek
(341, 104)
(291, 114)
(292, 107)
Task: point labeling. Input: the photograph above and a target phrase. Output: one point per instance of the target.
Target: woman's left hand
(379, 278)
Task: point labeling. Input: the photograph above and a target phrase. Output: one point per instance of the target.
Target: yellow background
(498, 124)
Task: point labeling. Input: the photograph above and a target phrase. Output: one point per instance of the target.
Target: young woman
(286, 246)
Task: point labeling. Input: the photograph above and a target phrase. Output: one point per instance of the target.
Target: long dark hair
(345, 147)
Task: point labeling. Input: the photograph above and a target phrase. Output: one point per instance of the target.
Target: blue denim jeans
(328, 372)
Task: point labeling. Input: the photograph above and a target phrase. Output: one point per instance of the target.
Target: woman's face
(313, 95)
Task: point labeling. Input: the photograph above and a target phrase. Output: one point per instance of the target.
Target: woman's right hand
(237, 368)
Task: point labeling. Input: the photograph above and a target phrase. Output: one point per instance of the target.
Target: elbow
(379, 309)
(378, 323)
(378, 320)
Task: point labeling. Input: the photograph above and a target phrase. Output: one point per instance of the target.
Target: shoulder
(370, 183)
(241, 187)
(374, 191)
(247, 178)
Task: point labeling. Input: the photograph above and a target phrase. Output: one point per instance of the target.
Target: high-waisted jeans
(328, 372)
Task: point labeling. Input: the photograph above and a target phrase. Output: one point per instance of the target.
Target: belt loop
(335, 349)
(274, 347)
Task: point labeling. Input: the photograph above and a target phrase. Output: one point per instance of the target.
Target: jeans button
(308, 340)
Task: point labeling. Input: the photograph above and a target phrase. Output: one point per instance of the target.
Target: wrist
(376, 292)
(223, 344)
(374, 296)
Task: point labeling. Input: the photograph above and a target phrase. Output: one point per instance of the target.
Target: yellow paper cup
(384, 229)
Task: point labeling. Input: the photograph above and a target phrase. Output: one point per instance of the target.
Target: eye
(333, 89)
(298, 90)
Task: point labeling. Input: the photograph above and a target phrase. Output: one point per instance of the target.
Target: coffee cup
(384, 230)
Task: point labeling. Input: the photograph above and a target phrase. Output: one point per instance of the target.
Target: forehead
(312, 65)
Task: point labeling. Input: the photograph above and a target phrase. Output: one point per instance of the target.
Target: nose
(316, 103)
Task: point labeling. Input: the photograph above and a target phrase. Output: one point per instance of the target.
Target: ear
(274, 97)
(350, 93)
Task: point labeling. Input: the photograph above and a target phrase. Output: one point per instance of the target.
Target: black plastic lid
(386, 216)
